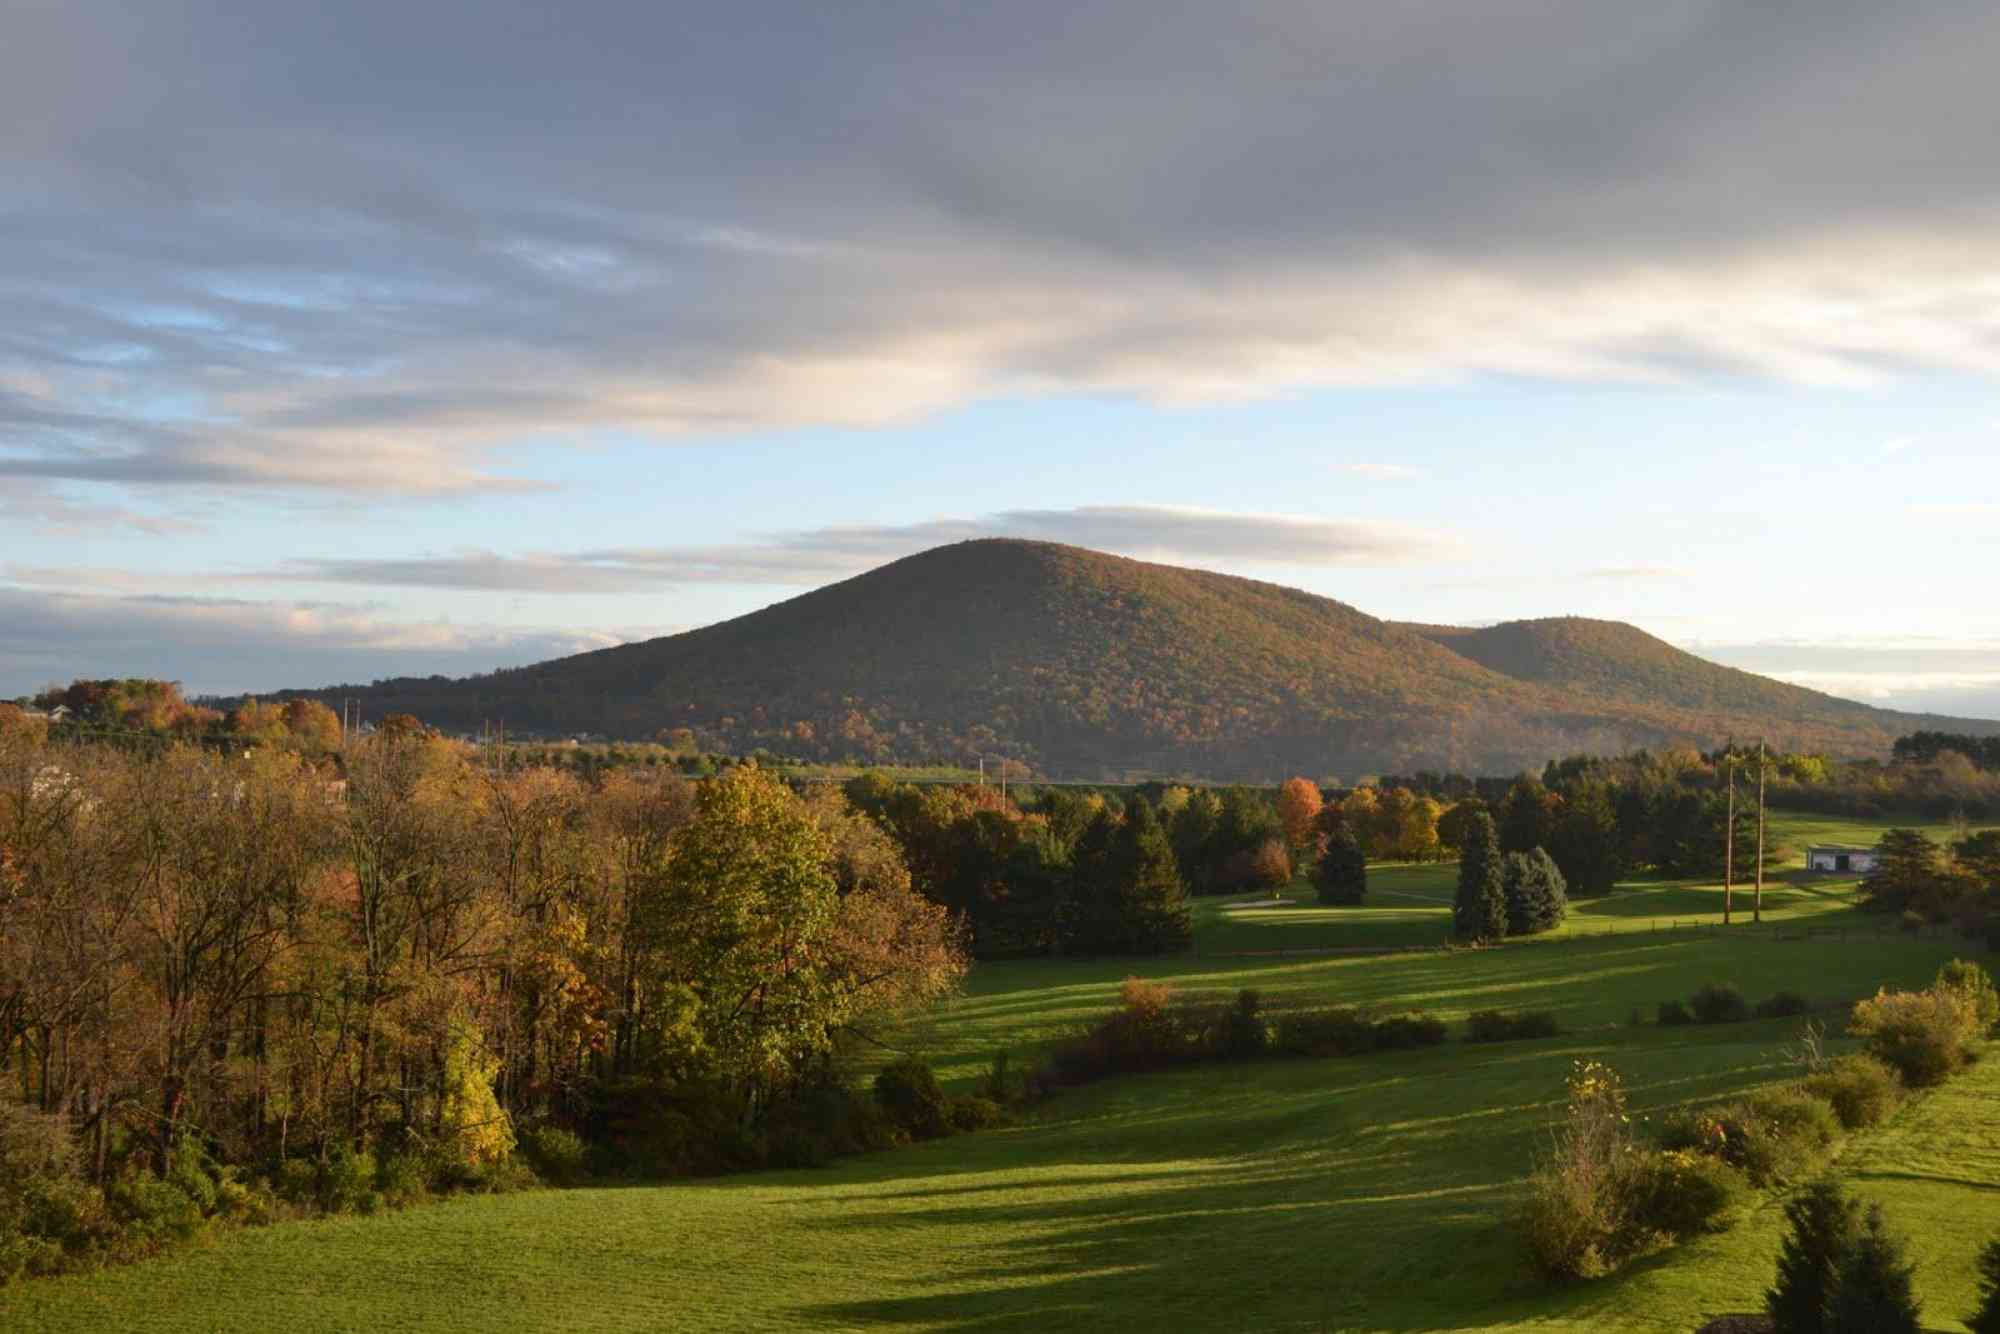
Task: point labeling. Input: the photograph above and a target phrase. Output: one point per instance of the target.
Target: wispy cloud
(816, 556)
(367, 262)
(224, 645)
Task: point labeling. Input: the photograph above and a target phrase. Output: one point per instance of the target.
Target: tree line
(264, 956)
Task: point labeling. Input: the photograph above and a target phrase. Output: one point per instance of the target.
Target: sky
(340, 342)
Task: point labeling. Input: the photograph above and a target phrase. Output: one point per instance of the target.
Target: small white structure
(1840, 859)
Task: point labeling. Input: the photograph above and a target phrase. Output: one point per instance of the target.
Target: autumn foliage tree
(1299, 803)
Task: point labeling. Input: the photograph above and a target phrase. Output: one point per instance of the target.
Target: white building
(1839, 859)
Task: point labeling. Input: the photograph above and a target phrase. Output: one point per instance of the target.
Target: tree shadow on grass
(1361, 1194)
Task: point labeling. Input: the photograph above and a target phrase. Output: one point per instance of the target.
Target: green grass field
(1363, 1194)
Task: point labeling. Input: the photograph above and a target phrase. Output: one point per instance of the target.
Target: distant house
(1838, 858)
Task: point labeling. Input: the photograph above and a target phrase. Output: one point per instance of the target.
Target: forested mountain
(1614, 660)
(1086, 665)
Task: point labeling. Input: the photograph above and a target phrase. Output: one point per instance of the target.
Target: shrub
(1501, 1026)
(996, 1083)
(1798, 1114)
(908, 1091)
(1403, 1031)
(1719, 1003)
(652, 1127)
(1784, 1005)
(151, 1212)
(1976, 985)
(1822, 1223)
(1681, 1193)
(1589, 1201)
(1672, 1014)
(970, 1112)
(1923, 1035)
(1860, 1089)
(1873, 1294)
(1242, 1032)
(557, 1154)
(1760, 1147)
(33, 1145)
(403, 1178)
(1334, 1032)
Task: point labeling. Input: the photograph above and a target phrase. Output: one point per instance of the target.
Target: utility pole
(1758, 911)
(1729, 838)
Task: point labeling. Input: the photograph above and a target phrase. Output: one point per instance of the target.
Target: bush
(403, 1178)
(1242, 1033)
(1760, 1147)
(1672, 1014)
(1501, 1026)
(557, 1154)
(908, 1091)
(1798, 1115)
(1404, 1031)
(1333, 1032)
(1860, 1089)
(1923, 1035)
(970, 1112)
(1719, 1003)
(1976, 985)
(1784, 1005)
(1681, 1193)
(152, 1213)
(1822, 1223)
(649, 1127)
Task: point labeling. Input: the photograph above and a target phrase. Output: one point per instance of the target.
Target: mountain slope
(1085, 664)
(1616, 661)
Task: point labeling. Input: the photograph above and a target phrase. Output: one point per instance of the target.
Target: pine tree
(1342, 874)
(1536, 898)
(1096, 911)
(1480, 911)
(1586, 843)
(1874, 1294)
(1823, 1222)
(1986, 1320)
(1155, 914)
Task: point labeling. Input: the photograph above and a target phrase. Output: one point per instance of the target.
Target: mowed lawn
(1367, 1194)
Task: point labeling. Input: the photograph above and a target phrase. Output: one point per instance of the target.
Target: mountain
(1612, 660)
(1090, 665)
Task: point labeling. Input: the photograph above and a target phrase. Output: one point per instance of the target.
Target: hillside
(1086, 665)
(1614, 661)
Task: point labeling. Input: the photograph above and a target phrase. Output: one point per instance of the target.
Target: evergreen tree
(1480, 910)
(1986, 1320)
(1095, 898)
(1586, 845)
(1154, 901)
(1874, 1294)
(1534, 890)
(1342, 874)
(1823, 1225)
(1527, 815)
(1193, 831)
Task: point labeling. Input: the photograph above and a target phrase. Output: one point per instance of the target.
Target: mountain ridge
(1085, 664)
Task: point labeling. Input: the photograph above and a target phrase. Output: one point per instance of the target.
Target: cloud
(226, 646)
(392, 242)
(1912, 673)
(819, 555)
(32, 506)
